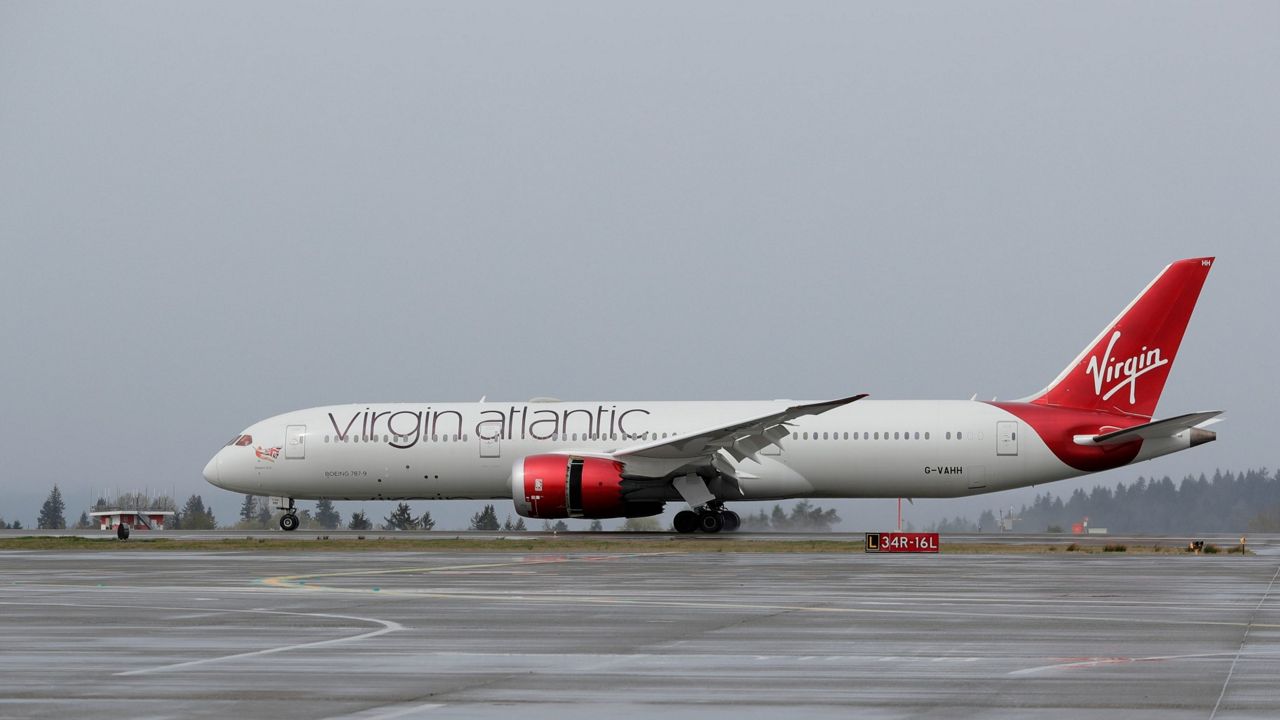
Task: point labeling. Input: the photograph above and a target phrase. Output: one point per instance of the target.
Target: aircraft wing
(741, 439)
(1153, 430)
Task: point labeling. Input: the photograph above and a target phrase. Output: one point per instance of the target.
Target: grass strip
(309, 542)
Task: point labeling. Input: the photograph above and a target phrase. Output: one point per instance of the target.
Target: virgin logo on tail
(1125, 371)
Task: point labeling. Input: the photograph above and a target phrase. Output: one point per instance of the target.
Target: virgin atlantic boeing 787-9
(626, 459)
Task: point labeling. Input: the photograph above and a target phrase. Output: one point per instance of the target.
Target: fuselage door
(295, 442)
(1007, 437)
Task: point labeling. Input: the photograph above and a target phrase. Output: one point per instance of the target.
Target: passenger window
(895, 436)
(846, 436)
(926, 435)
(917, 436)
(948, 434)
(959, 435)
(824, 436)
(877, 436)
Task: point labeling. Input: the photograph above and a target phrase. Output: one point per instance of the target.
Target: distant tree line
(256, 513)
(1226, 502)
(804, 517)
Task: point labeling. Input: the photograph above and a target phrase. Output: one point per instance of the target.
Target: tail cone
(1200, 436)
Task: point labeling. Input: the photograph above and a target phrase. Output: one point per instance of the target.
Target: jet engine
(560, 486)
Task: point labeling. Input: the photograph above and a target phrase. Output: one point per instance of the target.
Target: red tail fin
(1124, 369)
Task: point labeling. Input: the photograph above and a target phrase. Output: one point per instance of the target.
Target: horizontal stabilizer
(1152, 430)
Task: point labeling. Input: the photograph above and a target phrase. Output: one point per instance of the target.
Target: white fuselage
(466, 450)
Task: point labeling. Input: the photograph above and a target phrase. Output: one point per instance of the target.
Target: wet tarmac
(436, 635)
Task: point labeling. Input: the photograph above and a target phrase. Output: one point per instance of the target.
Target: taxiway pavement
(402, 635)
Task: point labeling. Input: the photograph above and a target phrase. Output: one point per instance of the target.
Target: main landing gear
(289, 521)
(708, 519)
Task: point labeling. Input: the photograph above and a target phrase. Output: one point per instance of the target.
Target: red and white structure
(132, 519)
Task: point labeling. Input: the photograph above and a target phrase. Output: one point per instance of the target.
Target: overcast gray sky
(214, 212)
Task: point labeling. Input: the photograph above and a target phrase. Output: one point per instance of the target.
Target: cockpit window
(242, 441)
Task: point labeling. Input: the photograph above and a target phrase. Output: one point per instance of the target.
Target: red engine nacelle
(560, 486)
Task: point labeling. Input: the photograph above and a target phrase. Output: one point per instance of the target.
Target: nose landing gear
(289, 520)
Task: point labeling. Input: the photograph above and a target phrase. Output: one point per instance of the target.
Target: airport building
(132, 519)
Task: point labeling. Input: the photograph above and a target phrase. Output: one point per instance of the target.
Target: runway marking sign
(900, 542)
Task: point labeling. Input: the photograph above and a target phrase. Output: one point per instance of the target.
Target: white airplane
(626, 459)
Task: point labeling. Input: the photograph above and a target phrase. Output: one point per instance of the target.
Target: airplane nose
(212, 474)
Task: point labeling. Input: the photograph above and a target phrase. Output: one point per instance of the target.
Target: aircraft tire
(288, 522)
(731, 520)
(711, 522)
(686, 521)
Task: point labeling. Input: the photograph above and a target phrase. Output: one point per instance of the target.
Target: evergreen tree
(195, 516)
(486, 519)
(560, 526)
(248, 508)
(359, 521)
(987, 522)
(400, 519)
(426, 522)
(516, 525)
(596, 526)
(326, 516)
(264, 512)
(778, 519)
(808, 517)
(51, 513)
(15, 525)
(84, 523)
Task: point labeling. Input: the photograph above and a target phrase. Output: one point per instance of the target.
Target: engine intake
(566, 486)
